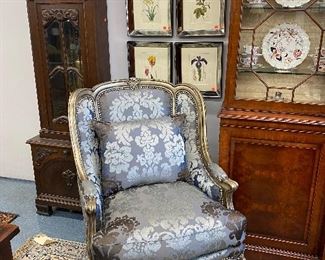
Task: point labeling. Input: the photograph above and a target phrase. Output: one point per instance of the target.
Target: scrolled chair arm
(217, 171)
(88, 197)
(221, 180)
(213, 180)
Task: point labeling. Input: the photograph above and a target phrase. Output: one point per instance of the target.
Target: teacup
(256, 1)
(247, 49)
(246, 60)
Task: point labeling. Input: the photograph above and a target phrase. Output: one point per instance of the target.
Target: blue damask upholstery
(192, 218)
(89, 151)
(114, 105)
(185, 104)
(123, 104)
(167, 221)
(140, 152)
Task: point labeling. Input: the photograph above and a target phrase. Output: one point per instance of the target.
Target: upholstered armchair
(148, 188)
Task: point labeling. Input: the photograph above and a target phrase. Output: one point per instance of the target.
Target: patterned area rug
(6, 217)
(59, 250)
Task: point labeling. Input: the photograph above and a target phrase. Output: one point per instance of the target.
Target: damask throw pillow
(140, 152)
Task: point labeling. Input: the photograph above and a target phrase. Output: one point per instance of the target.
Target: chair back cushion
(118, 104)
(140, 152)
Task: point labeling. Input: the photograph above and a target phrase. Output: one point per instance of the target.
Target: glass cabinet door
(281, 56)
(64, 63)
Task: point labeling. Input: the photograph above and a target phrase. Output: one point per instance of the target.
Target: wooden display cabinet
(70, 50)
(272, 137)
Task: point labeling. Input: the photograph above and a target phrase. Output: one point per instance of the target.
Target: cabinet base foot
(46, 202)
(44, 210)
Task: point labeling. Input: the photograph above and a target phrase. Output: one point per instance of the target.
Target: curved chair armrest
(217, 171)
(221, 179)
(88, 194)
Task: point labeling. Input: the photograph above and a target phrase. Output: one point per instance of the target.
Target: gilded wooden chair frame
(87, 190)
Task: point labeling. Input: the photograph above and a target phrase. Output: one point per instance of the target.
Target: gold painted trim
(89, 201)
(73, 133)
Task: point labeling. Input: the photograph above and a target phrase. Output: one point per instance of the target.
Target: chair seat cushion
(166, 221)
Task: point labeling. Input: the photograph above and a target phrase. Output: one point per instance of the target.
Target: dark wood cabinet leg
(44, 209)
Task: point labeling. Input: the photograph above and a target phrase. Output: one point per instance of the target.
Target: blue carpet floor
(18, 197)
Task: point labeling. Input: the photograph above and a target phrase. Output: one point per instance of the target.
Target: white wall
(19, 118)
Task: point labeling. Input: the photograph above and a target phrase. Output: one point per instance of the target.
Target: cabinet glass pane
(313, 89)
(72, 44)
(316, 11)
(282, 45)
(54, 46)
(58, 95)
(61, 31)
(74, 80)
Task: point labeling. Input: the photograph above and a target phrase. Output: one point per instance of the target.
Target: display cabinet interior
(280, 54)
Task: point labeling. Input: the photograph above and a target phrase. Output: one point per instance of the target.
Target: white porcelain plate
(285, 46)
(292, 3)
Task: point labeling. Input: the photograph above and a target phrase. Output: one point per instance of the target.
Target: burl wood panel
(281, 179)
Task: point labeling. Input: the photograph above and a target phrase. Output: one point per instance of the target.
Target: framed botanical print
(200, 64)
(201, 17)
(149, 17)
(150, 60)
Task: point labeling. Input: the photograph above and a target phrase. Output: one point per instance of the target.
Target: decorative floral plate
(292, 3)
(285, 46)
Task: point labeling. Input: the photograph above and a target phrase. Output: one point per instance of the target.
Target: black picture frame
(204, 29)
(164, 30)
(159, 46)
(211, 87)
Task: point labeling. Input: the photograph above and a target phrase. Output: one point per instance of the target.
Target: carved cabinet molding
(42, 154)
(70, 177)
(60, 14)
